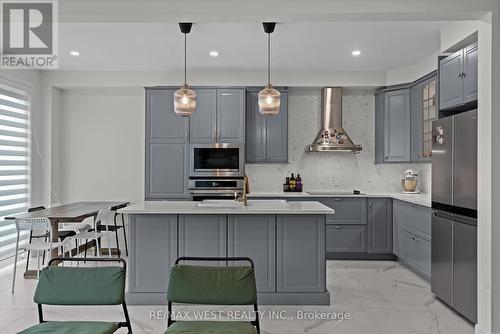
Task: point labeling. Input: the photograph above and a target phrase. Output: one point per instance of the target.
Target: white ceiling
(295, 46)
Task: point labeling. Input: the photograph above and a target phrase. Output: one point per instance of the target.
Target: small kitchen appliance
(409, 182)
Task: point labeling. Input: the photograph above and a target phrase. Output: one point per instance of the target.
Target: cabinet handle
(459, 75)
(338, 227)
(337, 199)
(370, 204)
(215, 135)
(414, 205)
(218, 134)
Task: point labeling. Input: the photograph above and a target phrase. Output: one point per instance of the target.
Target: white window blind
(14, 162)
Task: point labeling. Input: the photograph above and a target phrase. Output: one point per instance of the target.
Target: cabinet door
(379, 225)
(450, 81)
(397, 126)
(346, 238)
(162, 124)
(442, 258)
(203, 123)
(254, 236)
(417, 253)
(256, 130)
(277, 133)
(301, 253)
(379, 128)
(202, 235)
(230, 115)
(348, 210)
(166, 168)
(465, 270)
(398, 217)
(470, 73)
(153, 246)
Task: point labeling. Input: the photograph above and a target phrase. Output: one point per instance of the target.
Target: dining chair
(211, 285)
(93, 234)
(81, 286)
(35, 224)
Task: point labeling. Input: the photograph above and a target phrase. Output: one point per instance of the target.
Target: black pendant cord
(269, 59)
(185, 59)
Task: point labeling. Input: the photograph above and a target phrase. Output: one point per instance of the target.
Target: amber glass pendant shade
(184, 101)
(269, 101)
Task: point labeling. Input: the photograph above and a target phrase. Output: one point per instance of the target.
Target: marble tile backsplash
(329, 170)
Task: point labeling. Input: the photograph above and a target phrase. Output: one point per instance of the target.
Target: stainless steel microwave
(217, 159)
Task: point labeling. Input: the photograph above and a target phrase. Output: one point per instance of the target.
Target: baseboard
(479, 330)
(359, 256)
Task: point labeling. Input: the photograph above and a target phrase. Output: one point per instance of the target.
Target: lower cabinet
(202, 235)
(412, 236)
(153, 249)
(254, 236)
(346, 238)
(301, 265)
(379, 225)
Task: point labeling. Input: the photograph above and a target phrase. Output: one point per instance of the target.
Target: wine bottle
(292, 183)
(299, 183)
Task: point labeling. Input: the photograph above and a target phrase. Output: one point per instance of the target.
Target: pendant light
(184, 97)
(269, 98)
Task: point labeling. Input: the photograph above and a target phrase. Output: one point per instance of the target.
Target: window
(14, 161)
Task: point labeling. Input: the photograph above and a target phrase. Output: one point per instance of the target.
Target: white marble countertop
(254, 207)
(423, 199)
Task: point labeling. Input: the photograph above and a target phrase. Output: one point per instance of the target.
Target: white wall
(413, 72)
(330, 170)
(102, 144)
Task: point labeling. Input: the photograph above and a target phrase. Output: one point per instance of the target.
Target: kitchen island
(286, 241)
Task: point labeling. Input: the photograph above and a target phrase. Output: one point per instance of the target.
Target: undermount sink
(218, 203)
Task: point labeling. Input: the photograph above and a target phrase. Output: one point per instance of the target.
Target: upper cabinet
(266, 137)
(403, 118)
(458, 78)
(393, 126)
(219, 116)
(423, 112)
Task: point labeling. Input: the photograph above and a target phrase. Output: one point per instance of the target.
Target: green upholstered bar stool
(211, 285)
(80, 286)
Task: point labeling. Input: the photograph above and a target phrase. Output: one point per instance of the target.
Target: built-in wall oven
(214, 188)
(217, 160)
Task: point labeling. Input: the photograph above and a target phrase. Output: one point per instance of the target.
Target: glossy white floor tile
(381, 297)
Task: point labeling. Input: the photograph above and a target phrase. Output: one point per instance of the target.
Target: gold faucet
(246, 189)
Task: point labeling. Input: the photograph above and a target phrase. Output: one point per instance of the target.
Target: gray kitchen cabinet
(301, 261)
(465, 270)
(379, 128)
(379, 225)
(348, 210)
(266, 137)
(470, 73)
(203, 123)
(254, 236)
(416, 253)
(423, 112)
(202, 235)
(166, 148)
(411, 237)
(153, 240)
(458, 78)
(230, 115)
(397, 123)
(346, 238)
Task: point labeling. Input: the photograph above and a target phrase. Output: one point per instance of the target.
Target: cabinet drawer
(347, 210)
(416, 252)
(417, 219)
(346, 238)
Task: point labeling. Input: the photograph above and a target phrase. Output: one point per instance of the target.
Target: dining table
(73, 212)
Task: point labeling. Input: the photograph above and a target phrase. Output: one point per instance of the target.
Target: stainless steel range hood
(332, 137)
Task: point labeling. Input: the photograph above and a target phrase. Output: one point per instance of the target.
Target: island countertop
(254, 207)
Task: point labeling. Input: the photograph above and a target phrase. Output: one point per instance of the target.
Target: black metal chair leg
(124, 235)
(27, 262)
(43, 256)
(116, 235)
(85, 254)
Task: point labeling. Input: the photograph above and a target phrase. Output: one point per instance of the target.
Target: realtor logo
(29, 34)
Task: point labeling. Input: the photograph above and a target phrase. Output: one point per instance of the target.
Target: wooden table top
(72, 212)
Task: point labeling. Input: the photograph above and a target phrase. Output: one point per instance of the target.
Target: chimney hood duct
(332, 137)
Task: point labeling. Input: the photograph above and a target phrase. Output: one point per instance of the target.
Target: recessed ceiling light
(214, 53)
(356, 53)
(74, 53)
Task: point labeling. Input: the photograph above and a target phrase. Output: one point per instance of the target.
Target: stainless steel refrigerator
(454, 209)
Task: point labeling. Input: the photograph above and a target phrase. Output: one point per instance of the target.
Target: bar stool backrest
(104, 215)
